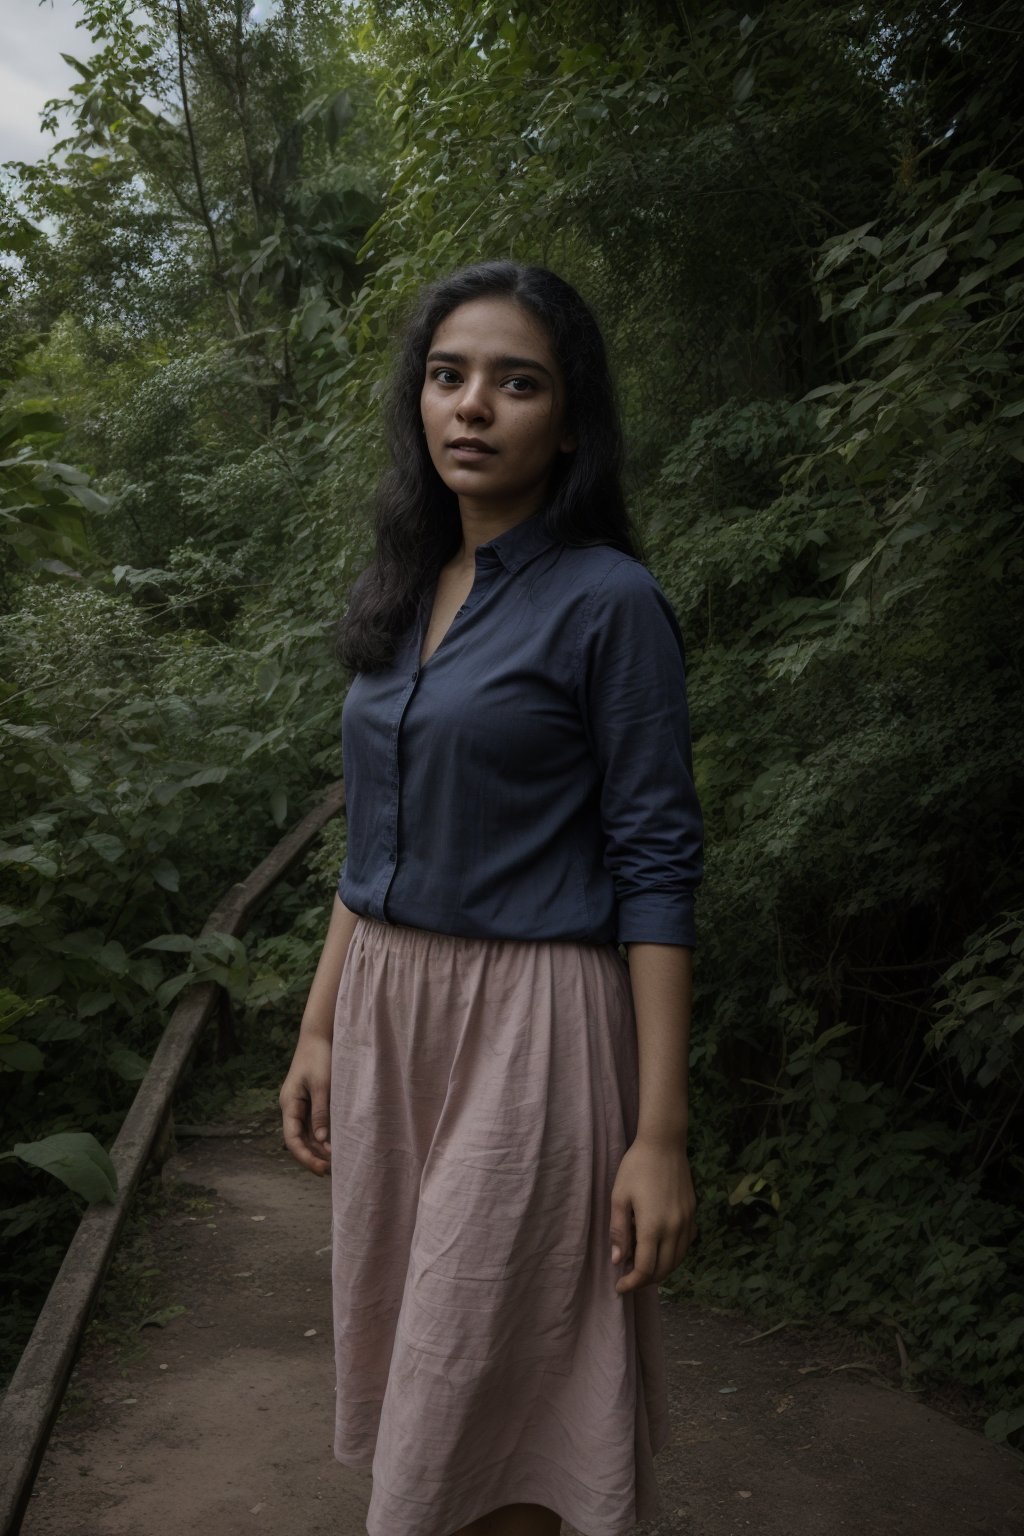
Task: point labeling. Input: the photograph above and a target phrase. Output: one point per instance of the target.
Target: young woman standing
(501, 1099)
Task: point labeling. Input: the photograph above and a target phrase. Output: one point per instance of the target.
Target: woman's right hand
(305, 1101)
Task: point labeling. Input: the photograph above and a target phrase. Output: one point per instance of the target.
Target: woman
(500, 1100)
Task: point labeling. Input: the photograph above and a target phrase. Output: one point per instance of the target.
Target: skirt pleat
(483, 1092)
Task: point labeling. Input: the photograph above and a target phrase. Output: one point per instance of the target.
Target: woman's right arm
(305, 1096)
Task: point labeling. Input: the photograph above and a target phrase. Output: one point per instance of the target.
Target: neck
(481, 524)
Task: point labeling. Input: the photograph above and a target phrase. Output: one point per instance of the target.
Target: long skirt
(483, 1092)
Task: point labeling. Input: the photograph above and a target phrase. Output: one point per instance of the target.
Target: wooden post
(33, 1399)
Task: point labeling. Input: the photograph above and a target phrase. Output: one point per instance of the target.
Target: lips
(471, 445)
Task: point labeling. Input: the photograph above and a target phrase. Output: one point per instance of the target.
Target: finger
(620, 1228)
(667, 1260)
(645, 1260)
(294, 1127)
(316, 1162)
(686, 1240)
(320, 1118)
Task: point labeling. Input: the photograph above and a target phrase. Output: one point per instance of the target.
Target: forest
(802, 228)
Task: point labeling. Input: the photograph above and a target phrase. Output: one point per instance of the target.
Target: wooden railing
(37, 1388)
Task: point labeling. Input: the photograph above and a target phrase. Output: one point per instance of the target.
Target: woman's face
(493, 406)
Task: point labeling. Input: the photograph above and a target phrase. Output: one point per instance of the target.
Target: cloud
(32, 39)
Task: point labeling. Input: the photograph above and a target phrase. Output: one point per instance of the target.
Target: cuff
(657, 917)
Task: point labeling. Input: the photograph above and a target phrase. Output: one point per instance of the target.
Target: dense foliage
(803, 229)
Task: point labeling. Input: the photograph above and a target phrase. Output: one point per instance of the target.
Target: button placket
(488, 567)
(394, 790)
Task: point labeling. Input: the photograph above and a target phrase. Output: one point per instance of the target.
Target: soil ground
(215, 1414)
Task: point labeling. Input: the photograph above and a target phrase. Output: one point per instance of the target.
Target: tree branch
(180, 32)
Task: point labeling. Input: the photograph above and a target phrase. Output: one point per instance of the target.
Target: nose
(473, 403)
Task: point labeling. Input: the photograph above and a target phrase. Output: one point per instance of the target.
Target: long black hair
(417, 523)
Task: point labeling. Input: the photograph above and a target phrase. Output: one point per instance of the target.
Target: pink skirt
(483, 1092)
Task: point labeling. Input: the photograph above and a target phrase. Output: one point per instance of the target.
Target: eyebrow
(459, 358)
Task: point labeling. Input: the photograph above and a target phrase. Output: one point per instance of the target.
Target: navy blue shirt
(533, 779)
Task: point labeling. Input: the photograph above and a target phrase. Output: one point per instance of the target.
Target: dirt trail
(223, 1424)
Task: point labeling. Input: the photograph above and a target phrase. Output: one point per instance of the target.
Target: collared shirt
(533, 778)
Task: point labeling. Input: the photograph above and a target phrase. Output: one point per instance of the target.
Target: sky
(32, 38)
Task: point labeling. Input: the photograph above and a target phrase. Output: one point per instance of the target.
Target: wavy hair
(416, 517)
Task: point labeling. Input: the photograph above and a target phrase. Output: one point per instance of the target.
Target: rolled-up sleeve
(631, 681)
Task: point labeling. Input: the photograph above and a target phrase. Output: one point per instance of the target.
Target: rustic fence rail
(33, 1398)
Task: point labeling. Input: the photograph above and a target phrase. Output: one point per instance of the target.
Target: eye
(445, 375)
(520, 379)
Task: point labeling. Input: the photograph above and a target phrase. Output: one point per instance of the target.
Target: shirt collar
(517, 545)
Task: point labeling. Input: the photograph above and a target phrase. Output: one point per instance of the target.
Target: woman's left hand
(653, 1194)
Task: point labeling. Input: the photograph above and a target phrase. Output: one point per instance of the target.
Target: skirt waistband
(378, 933)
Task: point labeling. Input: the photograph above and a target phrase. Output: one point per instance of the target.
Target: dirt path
(222, 1420)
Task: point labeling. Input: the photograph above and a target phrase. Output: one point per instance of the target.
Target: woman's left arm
(632, 681)
(653, 1191)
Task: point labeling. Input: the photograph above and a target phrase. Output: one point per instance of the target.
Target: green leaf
(858, 568)
(29, 857)
(112, 957)
(11, 915)
(834, 1032)
(126, 1063)
(268, 675)
(164, 1316)
(175, 943)
(215, 775)
(165, 874)
(742, 85)
(69, 473)
(77, 1159)
(90, 1003)
(90, 499)
(928, 264)
(20, 1218)
(57, 1027)
(167, 792)
(1005, 1423)
(221, 946)
(108, 847)
(823, 389)
(147, 972)
(20, 1056)
(44, 422)
(257, 742)
(826, 1073)
(13, 1008)
(166, 993)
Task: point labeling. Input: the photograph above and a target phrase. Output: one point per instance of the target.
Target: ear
(569, 443)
